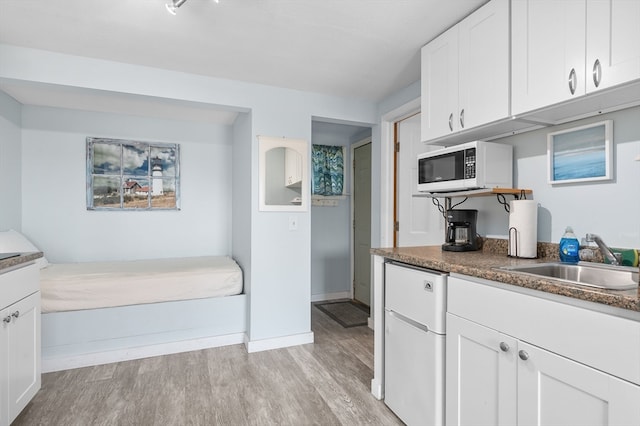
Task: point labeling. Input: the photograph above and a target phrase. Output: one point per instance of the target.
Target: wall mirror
(284, 174)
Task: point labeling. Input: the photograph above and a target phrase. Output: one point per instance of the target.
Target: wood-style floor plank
(324, 383)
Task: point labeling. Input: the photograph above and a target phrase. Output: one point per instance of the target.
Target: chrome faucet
(613, 258)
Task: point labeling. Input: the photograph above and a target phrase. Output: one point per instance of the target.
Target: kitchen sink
(583, 273)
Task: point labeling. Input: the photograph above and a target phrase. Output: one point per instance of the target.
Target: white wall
(242, 175)
(280, 275)
(54, 189)
(10, 166)
(609, 209)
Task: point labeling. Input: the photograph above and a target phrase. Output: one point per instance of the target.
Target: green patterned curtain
(328, 169)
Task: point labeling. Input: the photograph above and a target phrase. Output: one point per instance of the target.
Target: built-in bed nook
(100, 312)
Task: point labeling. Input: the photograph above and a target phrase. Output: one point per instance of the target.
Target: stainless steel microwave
(472, 165)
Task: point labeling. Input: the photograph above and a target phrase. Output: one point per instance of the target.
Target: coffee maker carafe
(461, 230)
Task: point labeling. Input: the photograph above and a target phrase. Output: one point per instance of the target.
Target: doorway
(331, 218)
(417, 222)
(361, 154)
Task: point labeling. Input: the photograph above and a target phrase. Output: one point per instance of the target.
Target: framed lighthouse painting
(132, 175)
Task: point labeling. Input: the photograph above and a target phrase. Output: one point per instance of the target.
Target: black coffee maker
(461, 230)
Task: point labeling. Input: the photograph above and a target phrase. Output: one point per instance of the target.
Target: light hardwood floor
(324, 383)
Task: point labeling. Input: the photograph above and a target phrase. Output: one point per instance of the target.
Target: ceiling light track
(173, 6)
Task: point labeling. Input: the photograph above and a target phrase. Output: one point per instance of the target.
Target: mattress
(91, 285)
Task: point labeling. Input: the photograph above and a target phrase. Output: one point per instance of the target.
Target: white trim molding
(68, 362)
(278, 342)
(330, 296)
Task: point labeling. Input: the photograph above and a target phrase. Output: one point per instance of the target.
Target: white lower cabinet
(495, 377)
(553, 390)
(481, 378)
(19, 342)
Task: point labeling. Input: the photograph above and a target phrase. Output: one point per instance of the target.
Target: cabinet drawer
(16, 284)
(417, 294)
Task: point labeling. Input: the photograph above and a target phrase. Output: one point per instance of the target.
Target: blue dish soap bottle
(569, 247)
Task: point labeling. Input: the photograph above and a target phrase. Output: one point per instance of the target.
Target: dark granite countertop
(19, 260)
(483, 264)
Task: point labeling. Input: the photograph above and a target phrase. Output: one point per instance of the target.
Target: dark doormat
(347, 314)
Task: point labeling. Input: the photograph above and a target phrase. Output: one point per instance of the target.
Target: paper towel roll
(523, 228)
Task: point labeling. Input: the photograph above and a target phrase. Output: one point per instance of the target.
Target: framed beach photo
(581, 154)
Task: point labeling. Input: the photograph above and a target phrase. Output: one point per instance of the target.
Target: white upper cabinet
(440, 86)
(565, 49)
(484, 65)
(613, 43)
(465, 73)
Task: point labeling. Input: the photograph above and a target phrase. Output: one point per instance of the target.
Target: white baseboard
(376, 389)
(330, 296)
(370, 323)
(278, 342)
(107, 357)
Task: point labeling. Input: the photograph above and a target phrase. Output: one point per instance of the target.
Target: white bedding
(76, 286)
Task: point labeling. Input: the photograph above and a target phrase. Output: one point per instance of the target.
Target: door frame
(387, 168)
(352, 234)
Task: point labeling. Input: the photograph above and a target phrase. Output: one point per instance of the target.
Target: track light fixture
(174, 5)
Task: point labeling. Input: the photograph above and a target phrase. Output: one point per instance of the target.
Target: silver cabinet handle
(462, 118)
(504, 347)
(597, 73)
(16, 314)
(451, 122)
(7, 319)
(572, 81)
(523, 355)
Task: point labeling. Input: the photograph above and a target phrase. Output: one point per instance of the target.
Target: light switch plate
(293, 223)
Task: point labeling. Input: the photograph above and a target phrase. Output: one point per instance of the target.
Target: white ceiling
(366, 49)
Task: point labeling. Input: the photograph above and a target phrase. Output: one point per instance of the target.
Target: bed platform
(101, 312)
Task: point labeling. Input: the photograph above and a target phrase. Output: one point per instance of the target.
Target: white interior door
(362, 224)
(419, 221)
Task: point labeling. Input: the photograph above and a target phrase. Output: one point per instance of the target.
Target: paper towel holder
(515, 240)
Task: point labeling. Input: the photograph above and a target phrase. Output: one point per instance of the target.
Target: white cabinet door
(481, 375)
(440, 86)
(613, 43)
(465, 73)
(23, 358)
(547, 52)
(5, 323)
(484, 66)
(553, 390)
(292, 167)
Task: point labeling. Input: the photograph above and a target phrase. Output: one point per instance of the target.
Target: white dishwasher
(414, 346)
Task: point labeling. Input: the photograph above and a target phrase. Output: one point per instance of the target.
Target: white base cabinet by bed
(515, 359)
(19, 340)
